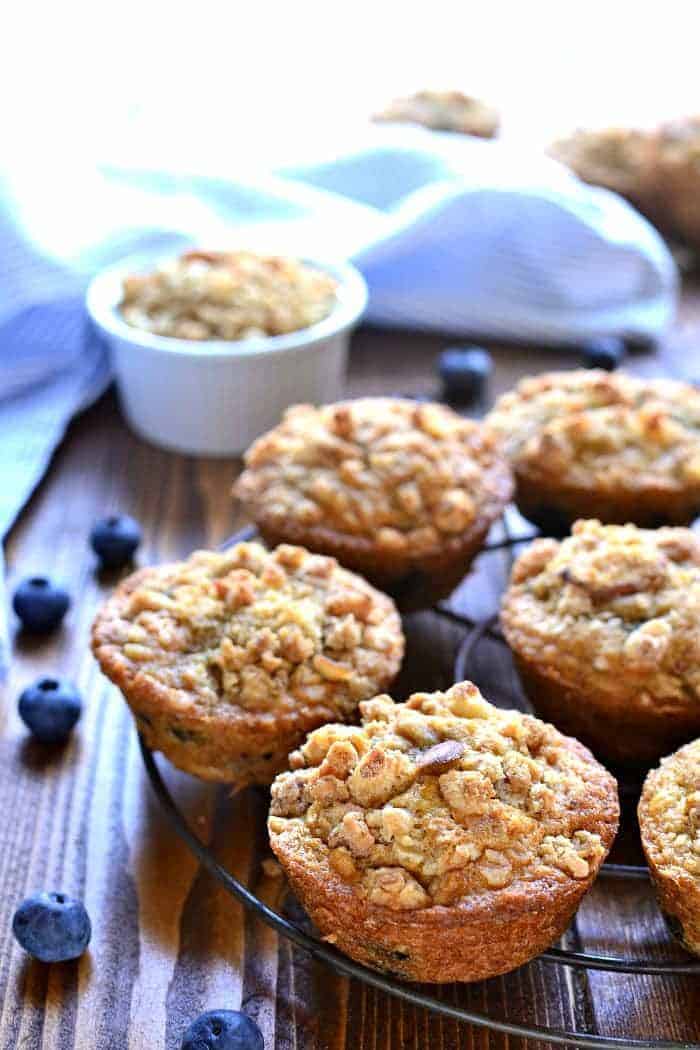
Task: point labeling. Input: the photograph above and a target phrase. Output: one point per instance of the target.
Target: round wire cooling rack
(476, 632)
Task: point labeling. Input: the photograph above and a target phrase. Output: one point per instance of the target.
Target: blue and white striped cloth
(453, 234)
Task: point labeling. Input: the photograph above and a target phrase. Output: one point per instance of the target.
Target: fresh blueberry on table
(40, 604)
(49, 708)
(464, 372)
(115, 540)
(223, 1030)
(52, 927)
(607, 352)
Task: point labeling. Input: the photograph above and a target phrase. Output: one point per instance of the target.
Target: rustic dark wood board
(168, 942)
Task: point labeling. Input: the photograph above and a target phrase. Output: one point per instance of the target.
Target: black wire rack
(476, 632)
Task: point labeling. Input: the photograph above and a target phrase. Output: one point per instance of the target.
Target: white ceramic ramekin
(213, 398)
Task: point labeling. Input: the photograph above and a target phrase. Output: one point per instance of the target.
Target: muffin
(444, 111)
(606, 445)
(443, 839)
(401, 492)
(619, 159)
(677, 173)
(669, 821)
(605, 629)
(228, 659)
(227, 295)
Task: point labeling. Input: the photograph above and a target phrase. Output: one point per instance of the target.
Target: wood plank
(168, 942)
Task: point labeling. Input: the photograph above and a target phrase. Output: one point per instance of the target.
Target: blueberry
(115, 540)
(50, 708)
(40, 604)
(223, 1030)
(52, 927)
(464, 372)
(607, 352)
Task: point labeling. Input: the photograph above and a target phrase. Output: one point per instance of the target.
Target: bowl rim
(104, 293)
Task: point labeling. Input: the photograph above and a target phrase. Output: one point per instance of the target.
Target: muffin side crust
(605, 628)
(388, 486)
(228, 659)
(669, 820)
(594, 444)
(444, 839)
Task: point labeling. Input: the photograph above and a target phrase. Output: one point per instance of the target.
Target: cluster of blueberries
(54, 927)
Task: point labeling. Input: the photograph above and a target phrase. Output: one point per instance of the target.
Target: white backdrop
(229, 85)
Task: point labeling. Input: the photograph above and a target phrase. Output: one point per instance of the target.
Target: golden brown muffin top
(619, 601)
(679, 140)
(606, 155)
(444, 111)
(227, 295)
(401, 473)
(670, 813)
(444, 797)
(590, 428)
(250, 630)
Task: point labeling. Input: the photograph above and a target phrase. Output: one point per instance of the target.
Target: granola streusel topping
(611, 156)
(256, 630)
(402, 473)
(227, 295)
(615, 599)
(443, 797)
(444, 111)
(671, 812)
(608, 429)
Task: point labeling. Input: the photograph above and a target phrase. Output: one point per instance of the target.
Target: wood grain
(168, 942)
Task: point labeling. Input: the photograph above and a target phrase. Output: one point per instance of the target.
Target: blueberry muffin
(443, 839)
(228, 659)
(606, 445)
(669, 821)
(401, 492)
(605, 629)
(677, 172)
(444, 111)
(619, 159)
(227, 295)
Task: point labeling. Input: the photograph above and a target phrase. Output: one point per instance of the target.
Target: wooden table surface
(168, 942)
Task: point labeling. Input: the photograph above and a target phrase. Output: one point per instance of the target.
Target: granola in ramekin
(444, 839)
(613, 446)
(228, 296)
(669, 821)
(444, 111)
(605, 628)
(402, 492)
(227, 659)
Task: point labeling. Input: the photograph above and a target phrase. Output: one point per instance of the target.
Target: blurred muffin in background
(619, 159)
(444, 111)
(677, 178)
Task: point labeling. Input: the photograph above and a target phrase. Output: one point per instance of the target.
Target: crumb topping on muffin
(443, 797)
(227, 295)
(444, 111)
(405, 475)
(251, 630)
(616, 599)
(679, 140)
(609, 430)
(611, 156)
(671, 813)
